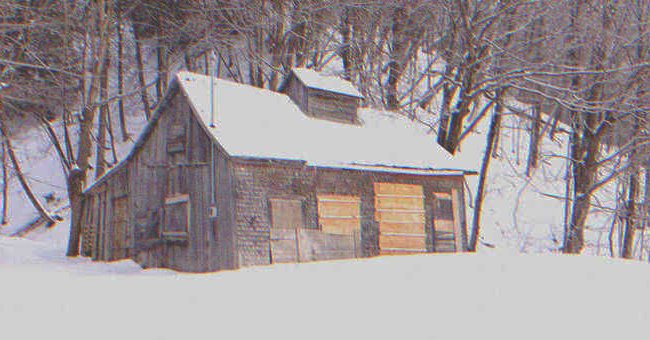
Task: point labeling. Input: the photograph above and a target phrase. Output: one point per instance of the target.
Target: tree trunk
(443, 127)
(100, 160)
(120, 79)
(77, 175)
(45, 215)
(631, 213)
(535, 138)
(495, 125)
(141, 78)
(583, 158)
(586, 145)
(161, 81)
(630, 217)
(345, 51)
(397, 59)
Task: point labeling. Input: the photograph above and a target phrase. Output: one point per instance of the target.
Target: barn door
(286, 217)
(444, 223)
(119, 223)
(399, 209)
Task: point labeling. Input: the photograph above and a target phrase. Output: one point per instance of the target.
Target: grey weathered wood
(321, 103)
(240, 235)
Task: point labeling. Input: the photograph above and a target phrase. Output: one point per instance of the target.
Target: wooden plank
(397, 251)
(399, 209)
(339, 214)
(397, 217)
(402, 242)
(455, 198)
(445, 220)
(339, 226)
(284, 251)
(412, 228)
(444, 225)
(442, 195)
(339, 209)
(316, 246)
(338, 198)
(287, 213)
(402, 203)
(398, 189)
(119, 223)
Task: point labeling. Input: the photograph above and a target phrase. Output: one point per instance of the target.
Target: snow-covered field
(488, 296)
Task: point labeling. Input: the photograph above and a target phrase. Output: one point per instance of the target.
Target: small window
(176, 218)
(287, 213)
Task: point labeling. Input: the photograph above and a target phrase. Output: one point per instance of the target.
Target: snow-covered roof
(315, 80)
(256, 123)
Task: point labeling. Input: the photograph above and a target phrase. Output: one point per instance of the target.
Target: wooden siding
(287, 213)
(321, 103)
(173, 159)
(445, 234)
(401, 216)
(332, 106)
(120, 222)
(339, 214)
(297, 92)
(257, 181)
(241, 235)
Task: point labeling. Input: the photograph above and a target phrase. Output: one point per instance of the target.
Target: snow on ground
(469, 296)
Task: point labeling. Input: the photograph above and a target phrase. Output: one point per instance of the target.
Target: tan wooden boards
(444, 222)
(399, 209)
(339, 214)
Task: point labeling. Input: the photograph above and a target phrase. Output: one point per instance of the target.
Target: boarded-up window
(444, 223)
(176, 217)
(176, 136)
(339, 214)
(120, 220)
(399, 209)
(287, 213)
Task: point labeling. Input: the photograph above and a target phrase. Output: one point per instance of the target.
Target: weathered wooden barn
(228, 175)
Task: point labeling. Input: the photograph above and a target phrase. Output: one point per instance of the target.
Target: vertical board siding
(173, 159)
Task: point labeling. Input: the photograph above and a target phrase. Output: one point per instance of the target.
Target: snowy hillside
(43, 170)
(489, 296)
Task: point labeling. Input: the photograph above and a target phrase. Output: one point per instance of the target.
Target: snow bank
(495, 296)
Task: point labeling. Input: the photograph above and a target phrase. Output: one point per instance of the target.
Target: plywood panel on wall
(339, 214)
(399, 210)
(287, 213)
